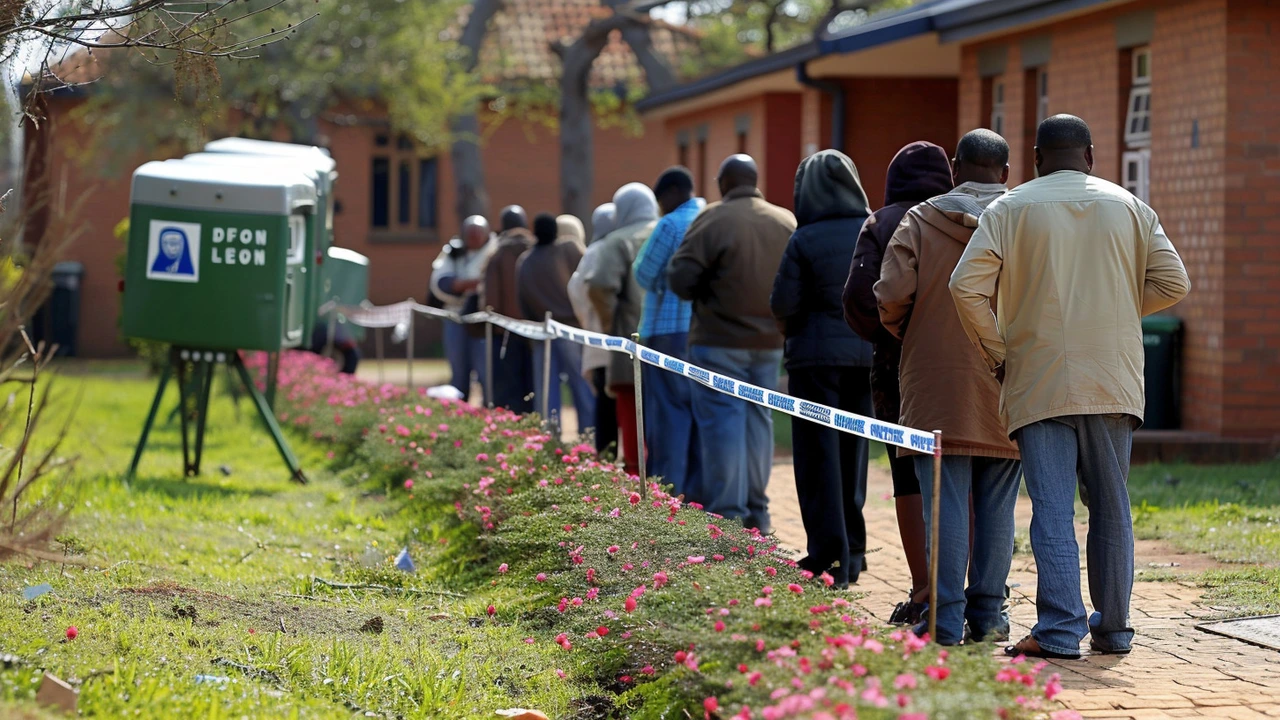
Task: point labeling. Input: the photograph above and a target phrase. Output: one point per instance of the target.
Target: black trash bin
(1162, 342)
(58, 320)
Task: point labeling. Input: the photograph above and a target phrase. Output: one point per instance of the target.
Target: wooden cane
(935, 511)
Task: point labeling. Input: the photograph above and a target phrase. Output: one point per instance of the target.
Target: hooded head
(570, 227)
(603, 221)
(918, 172)
(827, 186)
(634, 204)
(545, 228)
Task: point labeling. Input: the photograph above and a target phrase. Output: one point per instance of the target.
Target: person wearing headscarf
(594, 360)
(617, 298)
(670, 432)
(542, 277)
(826, 362)
(920, 171)
(512, 354)
(570, 229)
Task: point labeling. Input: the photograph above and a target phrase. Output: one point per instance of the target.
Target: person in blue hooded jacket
(827, 362)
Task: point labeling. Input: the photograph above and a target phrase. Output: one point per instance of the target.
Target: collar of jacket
(957, 212)
(743, 192)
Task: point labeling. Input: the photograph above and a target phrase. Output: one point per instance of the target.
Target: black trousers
(512, 373)
(831, 470)
(606, 416)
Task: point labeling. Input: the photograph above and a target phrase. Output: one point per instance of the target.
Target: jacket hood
(569, 227)
(635, 204)
(918, 172)
(956, 213)
(602, 221)
(828, 187)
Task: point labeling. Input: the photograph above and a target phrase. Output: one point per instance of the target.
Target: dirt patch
(372, 625)
(185, 612)
(171, 588)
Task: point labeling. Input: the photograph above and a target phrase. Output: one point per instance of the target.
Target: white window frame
(1135, 173)
(1042, 95)
(997, 106)
(1139, 108)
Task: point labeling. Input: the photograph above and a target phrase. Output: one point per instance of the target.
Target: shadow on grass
(196, 488)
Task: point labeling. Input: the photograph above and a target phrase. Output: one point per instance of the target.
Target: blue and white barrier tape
(843, 421)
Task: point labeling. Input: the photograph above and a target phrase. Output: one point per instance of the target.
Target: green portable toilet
(344, 278)
(313, 161)
(217, 256)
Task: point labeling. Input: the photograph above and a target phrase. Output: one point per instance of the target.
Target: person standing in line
(670, 432)
(1052, 290)
(616, 297)
(826, 362)
(542, 276)
(594, 359)
(918, 172)
(946, 388)
(726, 268)
(512, 354)
(456, 279)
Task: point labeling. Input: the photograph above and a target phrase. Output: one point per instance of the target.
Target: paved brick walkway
(1175, 670)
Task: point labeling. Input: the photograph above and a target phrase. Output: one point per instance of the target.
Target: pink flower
(629, 605)
(766, 590)
(613, 549)
(559, 673)
(647, 670)
(502, 568)
(697, 559)
(1065, 715)
(905, 682)
(634, 498)
(938, 673)
(659, 579)
(1053, 687)
(408, 484)
(542, 577)
(492, 611)
(719, 626)
(710, 705)
(770, 571)
(795, 589)
(764, 602)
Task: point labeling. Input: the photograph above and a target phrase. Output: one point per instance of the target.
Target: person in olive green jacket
(1077, 261)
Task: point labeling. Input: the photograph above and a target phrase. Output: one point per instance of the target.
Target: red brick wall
(722, 141)
(1189, 86)
(883, 114)
(1250, 258)
(783, 118)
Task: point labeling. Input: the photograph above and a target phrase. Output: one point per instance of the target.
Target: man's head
(1063, 142)
(545, 228)
(737, 171)
(513, 217)
(982, 156)
(475, 232)
(673, 189)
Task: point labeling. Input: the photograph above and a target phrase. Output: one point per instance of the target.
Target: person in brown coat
(512, 354)
(918, 172)
(948, 388)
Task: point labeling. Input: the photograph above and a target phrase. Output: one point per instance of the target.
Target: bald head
(475, 232)
(1063, 142)
(737, 171)
(514, 216)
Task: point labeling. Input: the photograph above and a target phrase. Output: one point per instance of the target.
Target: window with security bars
(1136, 173)
(1137, 123)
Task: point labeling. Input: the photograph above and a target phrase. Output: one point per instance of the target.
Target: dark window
(380, 209)
(702, 164)
(381, 140)
(742, 142)
(427, 170)
(404, 191)
(682, 154)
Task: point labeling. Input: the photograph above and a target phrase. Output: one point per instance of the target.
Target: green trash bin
(344, 277)
(1162, 343)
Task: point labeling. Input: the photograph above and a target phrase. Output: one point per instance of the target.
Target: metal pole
(151, 417)
(408, 350)
(488, 360)
(546, 370)
(377, 350)
(639, 399)
(269, 418)
(935, 512)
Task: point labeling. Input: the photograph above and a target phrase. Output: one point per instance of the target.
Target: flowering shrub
(668, 608)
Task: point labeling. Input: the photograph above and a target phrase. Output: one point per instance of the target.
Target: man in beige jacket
(1077, 261)
(947, 388)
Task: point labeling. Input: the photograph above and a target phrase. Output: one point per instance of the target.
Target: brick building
(1180, 97)
(396, 202)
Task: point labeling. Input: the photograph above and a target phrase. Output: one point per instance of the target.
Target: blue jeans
(1094, 451)
(736, 436)
(566, 366)
(465, 355)
(669, 430)
(993, 484)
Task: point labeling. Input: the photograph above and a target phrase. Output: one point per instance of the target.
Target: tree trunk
(468, 162)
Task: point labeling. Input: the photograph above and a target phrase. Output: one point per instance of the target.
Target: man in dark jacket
(512, 355)
(918, 172)
(725, 268)
(826, 362)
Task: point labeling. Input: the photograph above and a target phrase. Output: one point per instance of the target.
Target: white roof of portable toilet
(181, 184)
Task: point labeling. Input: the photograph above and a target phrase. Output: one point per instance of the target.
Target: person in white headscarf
(617, 297)
(594, 360)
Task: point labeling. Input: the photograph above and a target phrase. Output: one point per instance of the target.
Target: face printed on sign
(173, 251)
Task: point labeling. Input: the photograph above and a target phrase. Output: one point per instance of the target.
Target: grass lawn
(1231, 512)
(209, 576)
